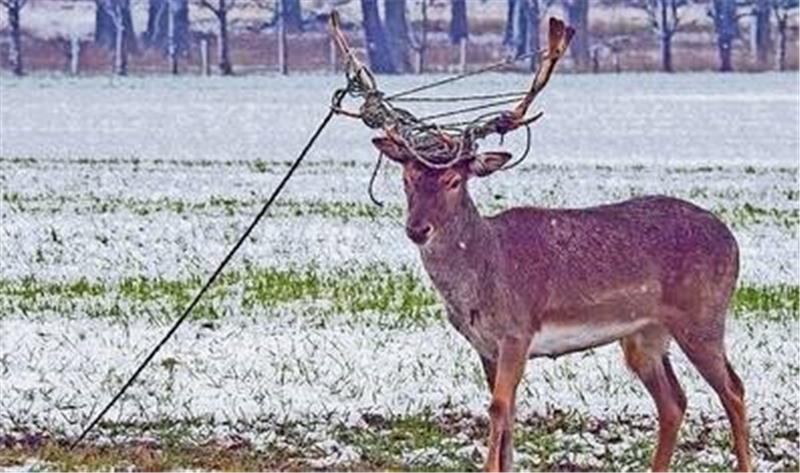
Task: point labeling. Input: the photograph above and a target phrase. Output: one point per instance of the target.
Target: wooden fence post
(74, 53)
(332, 58)
(462, 55)
(204, 59)
(282, 66)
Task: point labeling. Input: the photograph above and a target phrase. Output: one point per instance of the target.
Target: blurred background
(395, 36)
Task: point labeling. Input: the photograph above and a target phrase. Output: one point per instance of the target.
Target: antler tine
(558, 40)
(559, 37)
(356, 68)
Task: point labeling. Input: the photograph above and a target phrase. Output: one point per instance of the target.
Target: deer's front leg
(510, 367)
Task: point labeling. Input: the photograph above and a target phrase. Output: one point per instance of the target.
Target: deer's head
(436, 162)
(436, 195)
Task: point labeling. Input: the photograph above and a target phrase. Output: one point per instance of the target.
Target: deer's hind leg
(646, 355)
(704, 346)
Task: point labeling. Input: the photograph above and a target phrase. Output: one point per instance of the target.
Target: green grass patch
(395, 297)
(750, 215)
(779, 300)
(375, 293)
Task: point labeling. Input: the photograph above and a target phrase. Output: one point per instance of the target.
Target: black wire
(210, 281)
(474, 108)
(460, 98)
(441, 82)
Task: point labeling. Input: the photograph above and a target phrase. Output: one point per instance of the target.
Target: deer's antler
(559, 37)
(423, 139)
(355, 68)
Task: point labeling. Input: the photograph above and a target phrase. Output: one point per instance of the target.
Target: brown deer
(533, 282)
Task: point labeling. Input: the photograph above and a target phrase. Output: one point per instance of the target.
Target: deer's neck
(457, 258)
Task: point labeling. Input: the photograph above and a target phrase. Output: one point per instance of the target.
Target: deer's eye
(451, 181)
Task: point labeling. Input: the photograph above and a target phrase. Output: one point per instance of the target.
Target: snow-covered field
(119, 197)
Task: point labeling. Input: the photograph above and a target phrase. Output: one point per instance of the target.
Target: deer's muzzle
(419, 233)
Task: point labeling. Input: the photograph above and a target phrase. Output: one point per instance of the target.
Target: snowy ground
(119, 196)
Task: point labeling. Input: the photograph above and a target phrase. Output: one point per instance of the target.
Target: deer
(532, 282)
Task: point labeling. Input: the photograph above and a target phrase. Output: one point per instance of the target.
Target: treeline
(396, 45)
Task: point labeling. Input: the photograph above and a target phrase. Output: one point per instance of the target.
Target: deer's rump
(597, 262)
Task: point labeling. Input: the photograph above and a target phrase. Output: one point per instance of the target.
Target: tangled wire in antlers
(441, 145)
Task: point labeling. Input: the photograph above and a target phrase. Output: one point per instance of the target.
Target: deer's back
(652, 243)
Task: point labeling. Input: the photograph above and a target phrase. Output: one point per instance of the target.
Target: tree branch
(207, 4)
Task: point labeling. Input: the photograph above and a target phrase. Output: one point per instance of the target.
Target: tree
(459, 30)
(762, 31)
(533, 33)
(168, 28)
(519, 30)
(114, 30)
(13, 10)
(220, 9)
(782, 9)
(380, 56)
(726, 23)
(419, 41)
(459, 27)
(292, 15)
(397, 30)
(578, 18)
(522, 29)
(664, 16)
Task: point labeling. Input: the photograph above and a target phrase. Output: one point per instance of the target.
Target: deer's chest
(474, 322)
(468, 288)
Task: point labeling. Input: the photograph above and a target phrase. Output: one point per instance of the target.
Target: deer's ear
(390, 148)
(486, 163)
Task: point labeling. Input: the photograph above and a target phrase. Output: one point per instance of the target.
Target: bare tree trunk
(724, 15)
(783, 19)
(459, 31)
(520, 22)
(114, 30)
(666, 52)
(281, 30)
(292, 15)
(156, 10)
(205, 64)
(666, 37)
(380, 58)
(508, 32)
(172, 47)
(225, 67)
(120, 50)
(397, 30)
(15, 46)
(168, 29)
(762, 33)
(423, 38)
(533, 33)
(578, 15)
(459, 26)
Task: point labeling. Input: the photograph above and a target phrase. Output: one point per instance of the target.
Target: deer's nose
(419, 232)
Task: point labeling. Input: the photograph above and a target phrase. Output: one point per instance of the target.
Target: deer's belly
(554, 339)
